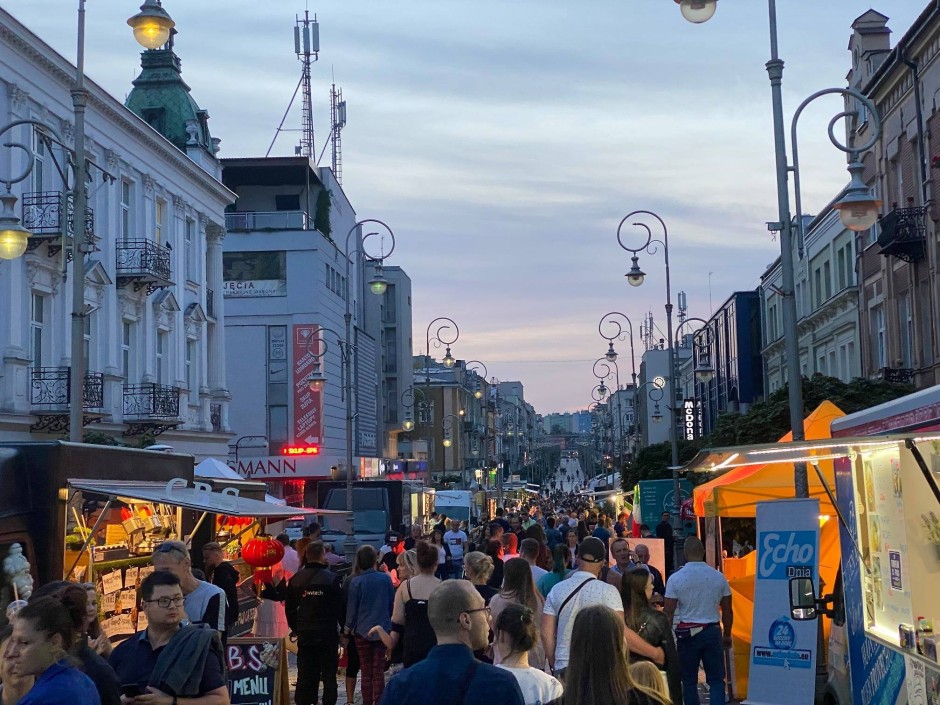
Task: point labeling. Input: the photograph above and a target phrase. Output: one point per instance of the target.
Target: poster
(309, 354)
(257, 671)
(783, 650)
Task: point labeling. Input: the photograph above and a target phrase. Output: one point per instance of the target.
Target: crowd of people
(548, 602)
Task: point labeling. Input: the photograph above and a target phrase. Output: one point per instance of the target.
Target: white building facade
(154, 348)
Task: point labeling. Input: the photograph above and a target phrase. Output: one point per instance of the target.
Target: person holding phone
(155, 666)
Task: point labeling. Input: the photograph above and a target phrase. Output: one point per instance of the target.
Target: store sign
(692, 419)
(277, 467)
(261, 288)
(783, 650)
(308, 405)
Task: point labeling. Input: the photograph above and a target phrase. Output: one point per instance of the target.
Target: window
(906, 330)
(827, 280)
(37, 321)
(277, 425)
(127, 337)
(817, 288)
(192, 369)
(127, 196)
(877, 318)
(287, 202)
(39, 161)
(189, 231)
(159, 222)
(86, 341)
(161, 356)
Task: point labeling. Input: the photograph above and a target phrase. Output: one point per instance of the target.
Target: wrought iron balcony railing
(151, 401)
(143, 263)
(50, 389)
(897, 375)
(42, 215)
(904, 234)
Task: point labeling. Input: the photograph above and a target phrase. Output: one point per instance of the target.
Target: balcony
(897, 375)
(50, 397)
(150, 408)
(265, 220)
(42, 215)
(143, 263)
(903, 234)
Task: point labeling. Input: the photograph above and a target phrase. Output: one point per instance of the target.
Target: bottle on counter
(924, 629)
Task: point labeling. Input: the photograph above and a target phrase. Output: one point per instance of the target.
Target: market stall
(113, 527)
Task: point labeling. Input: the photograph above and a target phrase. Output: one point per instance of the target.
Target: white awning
(193, 498)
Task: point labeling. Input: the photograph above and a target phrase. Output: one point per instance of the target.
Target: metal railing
(266, 220)
(42, 214)
(49, 389)
(904, 233)
(143, 258)
(151, 401)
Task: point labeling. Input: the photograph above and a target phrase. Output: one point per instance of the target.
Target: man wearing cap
(579, 590)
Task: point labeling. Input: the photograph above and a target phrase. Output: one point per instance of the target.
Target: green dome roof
(162, 99)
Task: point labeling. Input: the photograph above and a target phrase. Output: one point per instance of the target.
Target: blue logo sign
(786, 554)
(782, 635)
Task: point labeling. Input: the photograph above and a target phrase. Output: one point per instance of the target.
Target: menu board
(119, 602)
(257, 671)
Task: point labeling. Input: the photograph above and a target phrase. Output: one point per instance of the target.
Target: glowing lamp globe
(408, 425)
(152, 25)
(448, 443)
(697, 11)
(13, 236)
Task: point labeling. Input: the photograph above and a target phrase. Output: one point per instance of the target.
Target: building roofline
(892, 60)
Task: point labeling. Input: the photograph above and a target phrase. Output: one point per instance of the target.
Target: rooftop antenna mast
(307, 48)
(338, 120)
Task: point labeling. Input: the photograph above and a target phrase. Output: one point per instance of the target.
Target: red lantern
(261, 553)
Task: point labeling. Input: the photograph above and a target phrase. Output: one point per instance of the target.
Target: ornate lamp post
(480, 394)
(446, 334)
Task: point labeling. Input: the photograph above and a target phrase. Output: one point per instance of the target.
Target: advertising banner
(308, 405)
(783, 650)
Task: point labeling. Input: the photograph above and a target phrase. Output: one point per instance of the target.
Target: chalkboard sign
(257, 671)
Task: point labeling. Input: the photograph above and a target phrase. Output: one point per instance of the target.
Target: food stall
(113, 527)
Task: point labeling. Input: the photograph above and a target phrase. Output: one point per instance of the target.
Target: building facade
(154, 345)
(288, 284)
(898, 257)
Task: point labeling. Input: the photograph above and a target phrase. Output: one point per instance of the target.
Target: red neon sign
(300, 450)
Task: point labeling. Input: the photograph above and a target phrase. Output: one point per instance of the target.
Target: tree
(653, 462)
(769, 420)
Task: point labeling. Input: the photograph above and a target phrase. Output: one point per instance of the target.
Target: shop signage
(256, 671)
(307, 403)
(783, 651)
(259, 288)
(275, 467)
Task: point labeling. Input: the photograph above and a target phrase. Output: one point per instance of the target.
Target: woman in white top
(515, 637)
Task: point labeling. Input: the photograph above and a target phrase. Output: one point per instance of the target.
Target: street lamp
(13, 236)
(650, 246)
(445, 334)
(697, 11)
(704, 371)
(854, 211)
(152, 25)
(611, 322)
(346, 346)
(471, 366)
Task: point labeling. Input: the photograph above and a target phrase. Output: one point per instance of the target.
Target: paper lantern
(261, 553)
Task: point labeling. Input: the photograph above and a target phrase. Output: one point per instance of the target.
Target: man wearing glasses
(450, 675)
(204, 603)
(167, 664)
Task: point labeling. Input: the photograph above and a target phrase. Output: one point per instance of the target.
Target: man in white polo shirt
(694, 595)
(579, 590)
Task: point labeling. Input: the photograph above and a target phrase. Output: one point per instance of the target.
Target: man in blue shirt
(450, 675)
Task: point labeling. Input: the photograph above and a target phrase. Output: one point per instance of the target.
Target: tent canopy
(216, 470)
(736, 493)
(192, 498)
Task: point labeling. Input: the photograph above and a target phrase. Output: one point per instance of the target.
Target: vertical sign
(783, 650)
(690, 419)
(307, 404)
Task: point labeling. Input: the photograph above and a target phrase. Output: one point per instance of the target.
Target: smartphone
(132, 690)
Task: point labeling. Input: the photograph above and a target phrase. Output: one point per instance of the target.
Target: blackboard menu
(257, 671)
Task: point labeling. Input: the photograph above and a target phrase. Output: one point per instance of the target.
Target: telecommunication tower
(338, 122)
(307, 48)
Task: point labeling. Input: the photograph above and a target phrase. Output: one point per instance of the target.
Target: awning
(193, 498)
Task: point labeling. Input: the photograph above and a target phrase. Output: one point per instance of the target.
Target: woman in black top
(651, 624)
(477, 568)
(494, 549)
(410, 611)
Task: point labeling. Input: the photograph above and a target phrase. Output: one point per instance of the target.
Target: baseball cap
(591, 549)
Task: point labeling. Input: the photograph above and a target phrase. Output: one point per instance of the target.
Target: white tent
(212, 469)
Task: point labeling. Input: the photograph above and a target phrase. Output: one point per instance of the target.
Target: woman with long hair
(371, 597)
(646, 673)
(583, 530)
(443, 554)
(43, 634)
(410, 622)
(516, 636)
(494, 549)
(519, 588)
(477, 568)
(544, 558)
(653, 626)
(352, 654)
(597, 672)
(558, 572)
(97, 639)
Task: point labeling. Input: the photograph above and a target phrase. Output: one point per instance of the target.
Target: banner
(308, 404)
(783, 650)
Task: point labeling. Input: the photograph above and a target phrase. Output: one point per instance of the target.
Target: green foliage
(321, 218)
(653, 462)
(769, 420)
(99, 438)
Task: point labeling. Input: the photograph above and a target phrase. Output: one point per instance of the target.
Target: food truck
(879, 473)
